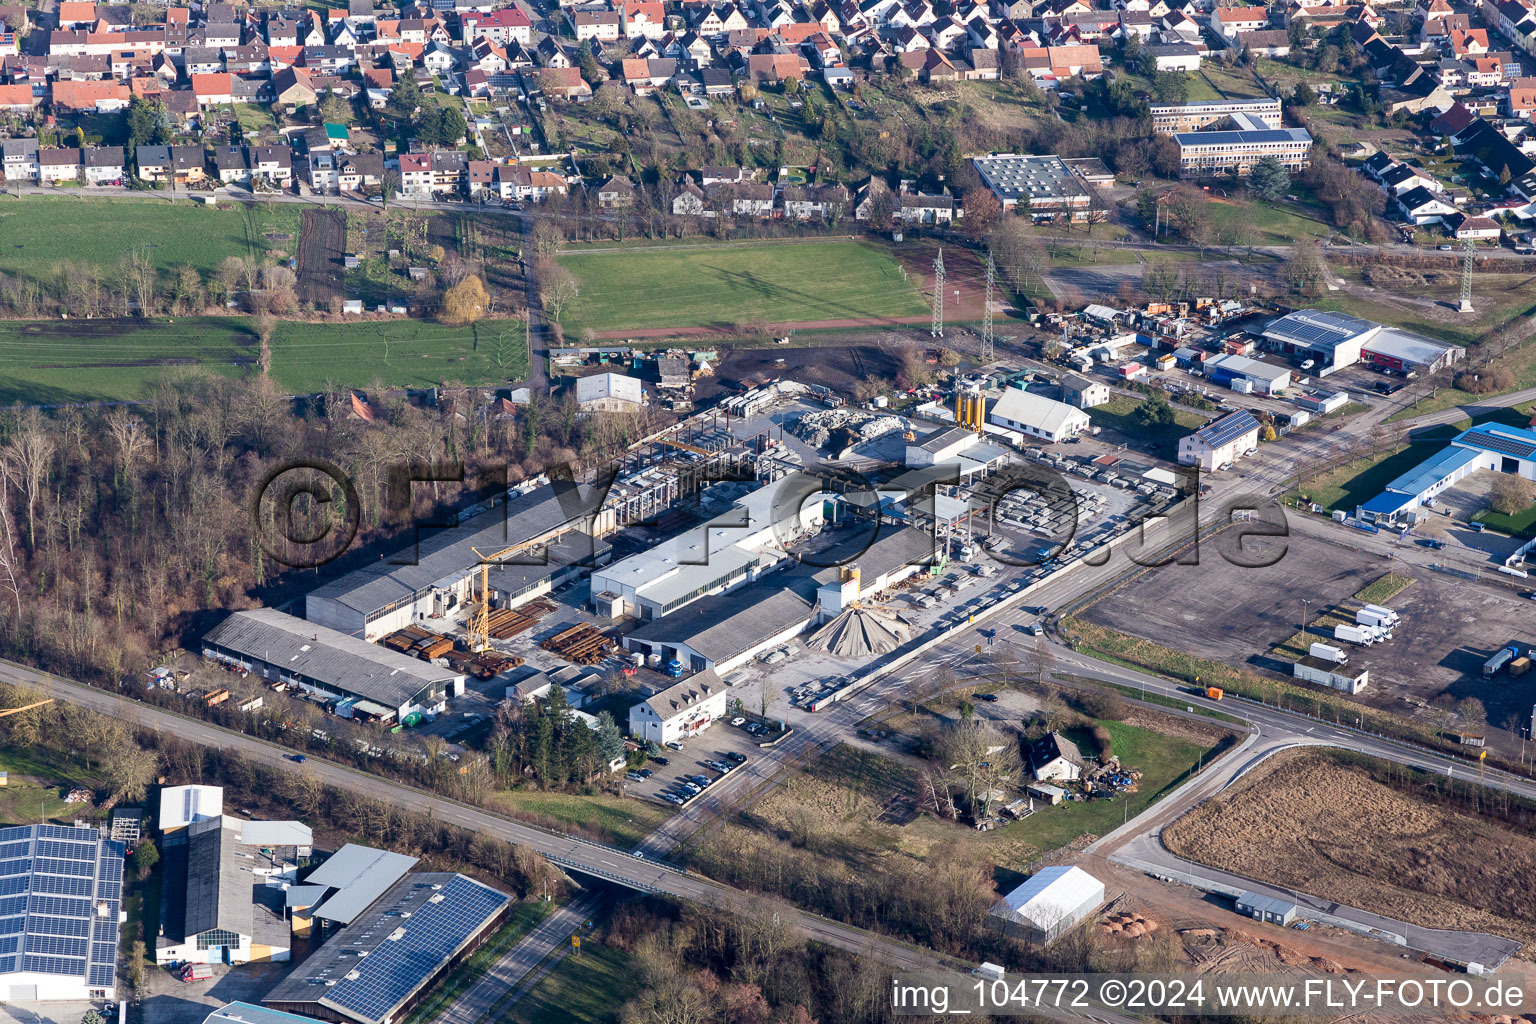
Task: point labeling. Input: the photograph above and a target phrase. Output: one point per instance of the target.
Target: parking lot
(721, 742)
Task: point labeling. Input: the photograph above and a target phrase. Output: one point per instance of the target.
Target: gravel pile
(816, 428)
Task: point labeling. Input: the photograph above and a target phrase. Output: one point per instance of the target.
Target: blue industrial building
(1490, 446)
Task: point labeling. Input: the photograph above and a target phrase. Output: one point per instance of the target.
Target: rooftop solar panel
(1504, 444)
(1228, 428)
(414, 952)
(52, 878)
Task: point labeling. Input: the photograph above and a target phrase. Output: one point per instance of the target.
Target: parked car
(990, 698)
(740, 759)
(738, 721)
(634, 776)
(645, 773)
(1430, 542)
(674, 745)
(660, 760)
(1477, 527)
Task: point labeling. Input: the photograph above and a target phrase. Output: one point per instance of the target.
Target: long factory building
(435, 576)
(734, 548)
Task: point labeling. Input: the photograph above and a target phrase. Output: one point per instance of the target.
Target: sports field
(723, 285)
(103, 360)
(39, 232)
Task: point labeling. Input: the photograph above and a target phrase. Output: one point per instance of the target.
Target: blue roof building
(1490, 446)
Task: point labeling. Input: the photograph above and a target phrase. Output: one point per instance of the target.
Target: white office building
(1221, 442)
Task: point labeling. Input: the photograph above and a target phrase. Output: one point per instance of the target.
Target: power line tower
(987, 353)
(1466, 279)
(937, 330)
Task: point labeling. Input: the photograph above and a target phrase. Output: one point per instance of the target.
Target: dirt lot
(963, 271)
(1449, 626)
(320, 256)
(837, 368)
(1351, 838)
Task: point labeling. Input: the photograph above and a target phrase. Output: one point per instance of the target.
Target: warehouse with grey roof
(434, 575)
(221, 898)
(358, 679)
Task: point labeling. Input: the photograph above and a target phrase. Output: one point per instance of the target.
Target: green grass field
(625, 821)
(1353, 483)
(726, 285)
(1119, 414)
(37, 233)
(589, 987)
(1270, 223)
(102, 360)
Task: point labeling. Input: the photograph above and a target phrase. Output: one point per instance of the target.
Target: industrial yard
(1410, 850)
(1251, 617)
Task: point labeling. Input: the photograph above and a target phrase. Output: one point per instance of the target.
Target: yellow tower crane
(480, 618)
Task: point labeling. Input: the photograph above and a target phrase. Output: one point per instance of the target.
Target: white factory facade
(730, 550)
(1336, 340)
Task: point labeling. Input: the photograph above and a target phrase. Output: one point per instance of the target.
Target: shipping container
(1520, 666)
(1214, 692)
(1495, 664)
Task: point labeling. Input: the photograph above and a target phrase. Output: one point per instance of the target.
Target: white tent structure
(1050, 904)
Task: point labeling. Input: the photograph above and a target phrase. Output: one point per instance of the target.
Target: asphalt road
(499, 982)
(563, 850)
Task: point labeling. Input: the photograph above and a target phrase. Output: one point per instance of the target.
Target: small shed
(1266, 908)
(1050, 794)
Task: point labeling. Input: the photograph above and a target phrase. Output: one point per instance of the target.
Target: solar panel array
(414, 952)
(1504, 444)
(52, 879)
(1313, 328)
(1228, 428)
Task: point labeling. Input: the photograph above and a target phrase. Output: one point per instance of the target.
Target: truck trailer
(1362, 635)
(1494, 665)
(1327, 652)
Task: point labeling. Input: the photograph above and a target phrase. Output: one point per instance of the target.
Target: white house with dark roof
(686, 708)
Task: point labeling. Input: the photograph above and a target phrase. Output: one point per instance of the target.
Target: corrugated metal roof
(331, 658)
(1266, 904)
(219, 882)
(250, 1013)
(275, 833)
(445, 555)
(362, 874)
(1432, 470)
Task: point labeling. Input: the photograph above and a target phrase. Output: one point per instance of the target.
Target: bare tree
(27, 461)
(558, 287)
